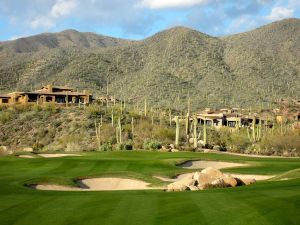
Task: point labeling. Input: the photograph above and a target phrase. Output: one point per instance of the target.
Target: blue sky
(137, 19)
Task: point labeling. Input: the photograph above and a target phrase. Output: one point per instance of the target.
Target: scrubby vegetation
(100, 127)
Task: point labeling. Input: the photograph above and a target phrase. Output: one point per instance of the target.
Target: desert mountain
(252, 68)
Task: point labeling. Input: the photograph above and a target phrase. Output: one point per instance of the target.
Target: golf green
(265, 202)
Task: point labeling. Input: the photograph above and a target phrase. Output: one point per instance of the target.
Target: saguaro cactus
(132, 127)
(187, 125)
(253, 129)
(98, 131)
(145, 107)
(112, 118)
(204, 132)
(120, 130)
(170, 117)
(177, 131)
(67, 100)
(195, 123)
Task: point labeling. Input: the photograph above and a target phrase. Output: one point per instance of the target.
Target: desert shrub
(73, 147)
(151, 144)
(106, 147)
(37, 146)
(164, 134)
(124, 146)
(289, 142)
(93, 111)
(50, 107)
(239, 141)
(5, 116)
(36, 108)
(108, 134)
(26, 116)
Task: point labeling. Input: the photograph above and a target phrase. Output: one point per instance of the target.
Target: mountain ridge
(168, 67)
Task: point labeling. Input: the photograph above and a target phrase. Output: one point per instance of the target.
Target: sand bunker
(26, 156)
(105, 184)
(100, 184)
(57, 155)
(252, 176)
(54, 187)
(205, 164)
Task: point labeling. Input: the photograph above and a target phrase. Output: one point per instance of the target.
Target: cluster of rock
(168, 148)
(206, 179)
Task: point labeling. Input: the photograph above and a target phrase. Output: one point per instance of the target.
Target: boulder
(215, 173)
(172, 146)
(174, 150)
(247, 181)
(229, 180)
(218, 183)
(3, 148)
(201, 142)
(217, 147)
(191, 140)
(203, 180)
(165, 149)
(27, 149)
(193, 188)
(177, 186)
(182, 184)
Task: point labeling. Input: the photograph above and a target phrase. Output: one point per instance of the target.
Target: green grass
(268, 202)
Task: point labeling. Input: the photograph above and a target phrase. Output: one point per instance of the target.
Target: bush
(93, 111)
(151, 144)
(37, 146)
(126, 146)
(5, 116)
(279, 144)
(106, 147)
(50, 107)
(239, 142)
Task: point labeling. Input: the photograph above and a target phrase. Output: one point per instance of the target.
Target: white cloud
(59, 9)
(63, 8)
(44, 22)
(279, 13)
(162, 4)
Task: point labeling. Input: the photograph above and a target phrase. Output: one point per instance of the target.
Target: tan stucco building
(49, 93)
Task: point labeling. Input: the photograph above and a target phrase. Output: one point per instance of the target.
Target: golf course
(273, 201)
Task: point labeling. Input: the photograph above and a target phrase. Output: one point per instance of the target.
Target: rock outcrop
(206, 179)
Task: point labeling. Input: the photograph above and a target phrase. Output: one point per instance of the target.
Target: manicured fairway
(267, 202)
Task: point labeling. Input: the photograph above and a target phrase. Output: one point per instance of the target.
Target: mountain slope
(67, 38)
(248, 69)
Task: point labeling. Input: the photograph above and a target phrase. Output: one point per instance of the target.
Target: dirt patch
(214, 164)
(26, 156)
(57, 155)
(100, 184)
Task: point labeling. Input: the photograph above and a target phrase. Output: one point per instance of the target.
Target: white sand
(252, 176)
(54, 187)
(57, 155)
(101, 184)
(105, 184)
(26, 156)
(214, 164)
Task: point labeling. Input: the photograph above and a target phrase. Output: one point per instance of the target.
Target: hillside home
(49, 93)
(230, 118)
